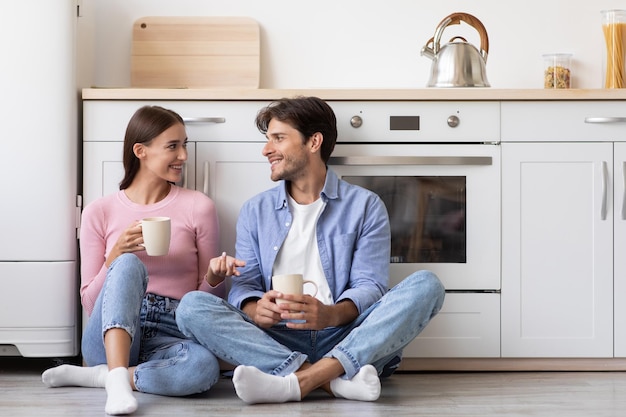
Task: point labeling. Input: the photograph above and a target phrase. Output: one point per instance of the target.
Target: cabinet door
(557, 254)
(231, 173)
(103, 169)
(619, 267)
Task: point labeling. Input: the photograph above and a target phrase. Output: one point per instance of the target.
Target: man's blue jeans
(376, 337)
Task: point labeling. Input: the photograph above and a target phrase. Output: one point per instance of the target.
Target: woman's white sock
(120, 398)
(254, 386)
(364, 386)
(76, 376)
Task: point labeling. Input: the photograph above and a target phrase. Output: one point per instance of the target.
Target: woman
(131, 341)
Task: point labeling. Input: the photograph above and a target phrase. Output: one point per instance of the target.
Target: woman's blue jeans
(376, 337)
(167, 362)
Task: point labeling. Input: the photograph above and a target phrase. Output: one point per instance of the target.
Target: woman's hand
(221, 267)
(129, 241)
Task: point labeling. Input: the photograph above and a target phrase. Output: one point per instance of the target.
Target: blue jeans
(167, 363)
(376, 337)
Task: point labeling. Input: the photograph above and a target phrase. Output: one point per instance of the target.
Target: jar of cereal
(557, 71)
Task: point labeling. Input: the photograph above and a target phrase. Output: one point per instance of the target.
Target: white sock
(76, 376)
(120, 398)
(364, 386)
(254, 386)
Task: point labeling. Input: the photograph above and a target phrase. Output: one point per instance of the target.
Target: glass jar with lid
(557, 71)
(614, 64)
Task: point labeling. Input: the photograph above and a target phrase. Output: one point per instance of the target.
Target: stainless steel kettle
(457, 63)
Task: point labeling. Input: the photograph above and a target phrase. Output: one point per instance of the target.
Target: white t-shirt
(300, 254)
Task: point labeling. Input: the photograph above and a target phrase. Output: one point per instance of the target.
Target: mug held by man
(291, 284)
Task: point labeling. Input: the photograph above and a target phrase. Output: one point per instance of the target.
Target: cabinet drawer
(106, 120)
(468, 326)
(554, 121)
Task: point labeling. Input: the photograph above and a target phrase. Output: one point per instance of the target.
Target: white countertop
(430, 94)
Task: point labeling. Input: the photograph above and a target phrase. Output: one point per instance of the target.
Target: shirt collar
(329, 192)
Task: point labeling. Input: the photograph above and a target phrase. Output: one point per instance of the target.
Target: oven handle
(411, 160)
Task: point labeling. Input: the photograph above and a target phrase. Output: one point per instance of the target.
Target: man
(335, 234)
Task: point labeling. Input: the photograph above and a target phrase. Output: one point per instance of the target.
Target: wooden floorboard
(551, 394)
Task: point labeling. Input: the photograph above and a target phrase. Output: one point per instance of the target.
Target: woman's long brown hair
(146, 124)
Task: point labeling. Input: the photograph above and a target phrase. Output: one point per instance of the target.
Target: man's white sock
(364, 386)
(254, 386)
(76, 376)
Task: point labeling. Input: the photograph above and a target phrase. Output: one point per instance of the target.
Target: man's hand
(264, 311)
(312, 314)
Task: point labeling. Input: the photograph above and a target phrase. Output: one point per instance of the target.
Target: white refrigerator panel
(39, 133)
(38, 211)
(39, 308)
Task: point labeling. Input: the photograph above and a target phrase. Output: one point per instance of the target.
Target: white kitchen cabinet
(231, 173)
(619, 251)
(557, 237)
(564, 233)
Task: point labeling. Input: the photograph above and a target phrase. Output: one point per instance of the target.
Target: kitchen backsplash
(364, 43)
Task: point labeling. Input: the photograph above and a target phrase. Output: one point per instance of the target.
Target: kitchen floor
(551, 394)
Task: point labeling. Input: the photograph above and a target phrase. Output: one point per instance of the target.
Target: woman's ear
(139, 150)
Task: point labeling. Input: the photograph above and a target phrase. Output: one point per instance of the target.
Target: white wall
(370, 44)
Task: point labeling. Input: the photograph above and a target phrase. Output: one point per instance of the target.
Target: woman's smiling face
(165, 155)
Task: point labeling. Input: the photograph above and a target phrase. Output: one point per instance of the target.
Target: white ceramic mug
(156, 235)
(290, 284)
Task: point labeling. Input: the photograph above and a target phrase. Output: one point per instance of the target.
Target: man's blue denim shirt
(353, 236)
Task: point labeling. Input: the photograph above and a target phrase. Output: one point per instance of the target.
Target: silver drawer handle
(605, 180)
(411, 160)
(605, 119)
(204, 119)
(624, 195)
(206, 178)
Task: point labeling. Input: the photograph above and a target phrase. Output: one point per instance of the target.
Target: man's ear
(315, 142)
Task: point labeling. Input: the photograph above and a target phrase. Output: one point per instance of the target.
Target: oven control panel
(417, 122)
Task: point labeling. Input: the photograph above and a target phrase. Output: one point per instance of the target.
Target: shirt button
(287, 224)
(275, 247)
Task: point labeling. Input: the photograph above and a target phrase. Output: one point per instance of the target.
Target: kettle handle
(455, 19)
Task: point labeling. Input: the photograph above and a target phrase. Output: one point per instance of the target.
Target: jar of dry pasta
(557, 71)
(614, 28)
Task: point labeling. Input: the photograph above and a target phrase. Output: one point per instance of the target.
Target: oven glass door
(443, 203)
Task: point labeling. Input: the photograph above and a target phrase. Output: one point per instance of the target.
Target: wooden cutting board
(195, 52)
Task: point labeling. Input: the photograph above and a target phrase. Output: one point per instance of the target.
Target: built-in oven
(436, 166)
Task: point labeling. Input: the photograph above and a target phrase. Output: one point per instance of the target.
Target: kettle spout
(427, 52)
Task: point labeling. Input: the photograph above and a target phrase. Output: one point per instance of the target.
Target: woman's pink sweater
(195, 240)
